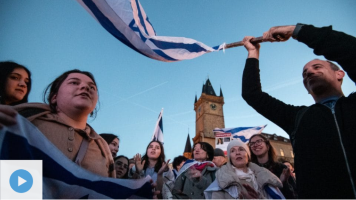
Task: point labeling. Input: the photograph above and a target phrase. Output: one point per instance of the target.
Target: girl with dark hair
(177, 164)
(72, 98)
(150, 163)
(121, 167)
(264, 155)
(15, 83)
(196, 174)
(113, 142)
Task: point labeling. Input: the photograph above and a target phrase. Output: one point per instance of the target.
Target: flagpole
(237, 44)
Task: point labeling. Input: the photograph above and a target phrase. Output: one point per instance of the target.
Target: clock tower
(208, 114)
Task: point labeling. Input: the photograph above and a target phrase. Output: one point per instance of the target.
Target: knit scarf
(249, 177)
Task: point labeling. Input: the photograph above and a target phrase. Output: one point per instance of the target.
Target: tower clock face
(213, 106)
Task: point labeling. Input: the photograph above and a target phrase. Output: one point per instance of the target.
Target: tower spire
(188, 148)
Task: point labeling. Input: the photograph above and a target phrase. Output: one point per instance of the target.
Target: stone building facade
(209, 115)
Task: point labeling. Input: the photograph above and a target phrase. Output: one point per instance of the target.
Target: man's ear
(339, 74)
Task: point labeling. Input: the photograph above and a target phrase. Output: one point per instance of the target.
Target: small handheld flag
(243, 133)
(158, 132)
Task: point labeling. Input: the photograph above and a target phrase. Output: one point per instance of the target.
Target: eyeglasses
(118, 163)
(257, 142)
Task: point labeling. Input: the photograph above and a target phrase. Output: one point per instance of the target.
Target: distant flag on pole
(127, 21)
(243, 133)
(158, 132)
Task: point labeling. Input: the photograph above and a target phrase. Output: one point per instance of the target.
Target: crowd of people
(321, 133)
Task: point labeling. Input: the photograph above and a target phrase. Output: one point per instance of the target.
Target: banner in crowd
(127, 21)
(223, 136)
(62, 178)
(158, 132)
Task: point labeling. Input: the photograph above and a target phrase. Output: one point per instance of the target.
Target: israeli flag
(243, 133)
(62, 178)
(158, 131)
(127, 21)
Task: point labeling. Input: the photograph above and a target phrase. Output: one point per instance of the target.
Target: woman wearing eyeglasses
(263, 154)
(121, 167)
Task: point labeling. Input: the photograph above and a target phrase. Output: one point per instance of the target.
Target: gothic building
(209, 115)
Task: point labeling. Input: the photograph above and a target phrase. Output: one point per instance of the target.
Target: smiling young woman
(264, 155)
(15, 83)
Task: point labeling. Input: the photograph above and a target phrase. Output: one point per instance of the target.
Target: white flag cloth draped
(243, 133)
(62, 178)
(158, 132)
(127, 21)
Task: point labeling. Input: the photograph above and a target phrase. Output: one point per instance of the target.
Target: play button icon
(21, 181)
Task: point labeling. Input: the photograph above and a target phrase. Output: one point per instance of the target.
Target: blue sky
(50, 37)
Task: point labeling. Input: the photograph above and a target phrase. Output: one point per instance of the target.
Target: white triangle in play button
(20, 181)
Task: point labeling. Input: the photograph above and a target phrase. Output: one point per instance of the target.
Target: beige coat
(226, 177)
(98, 158)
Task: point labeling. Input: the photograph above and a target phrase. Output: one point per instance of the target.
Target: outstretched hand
(7, 116)
(139, 164)
(278, 33)
(194, 173)
(285, 175)
(164, 167)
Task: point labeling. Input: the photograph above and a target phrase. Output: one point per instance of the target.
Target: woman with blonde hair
(241, 179)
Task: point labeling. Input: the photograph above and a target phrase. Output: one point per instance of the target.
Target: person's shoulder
(32, 110)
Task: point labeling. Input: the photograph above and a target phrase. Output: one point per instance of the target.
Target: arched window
(282, 152)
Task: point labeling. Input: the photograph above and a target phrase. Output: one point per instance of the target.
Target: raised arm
(333, 45)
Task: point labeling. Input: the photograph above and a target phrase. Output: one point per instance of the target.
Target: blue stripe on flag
(271, 193)
(161, 124)
(59, 171)
(216, 47)
(193, 48)
(242, 138)
(15, 147)
(108, 25)
(238, 129)
(161, 53)
(136, 29)
(142, 21)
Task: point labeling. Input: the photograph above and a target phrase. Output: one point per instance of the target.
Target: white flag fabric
(243, 133)
(62, 178)
(158, 131)
(127, 21)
